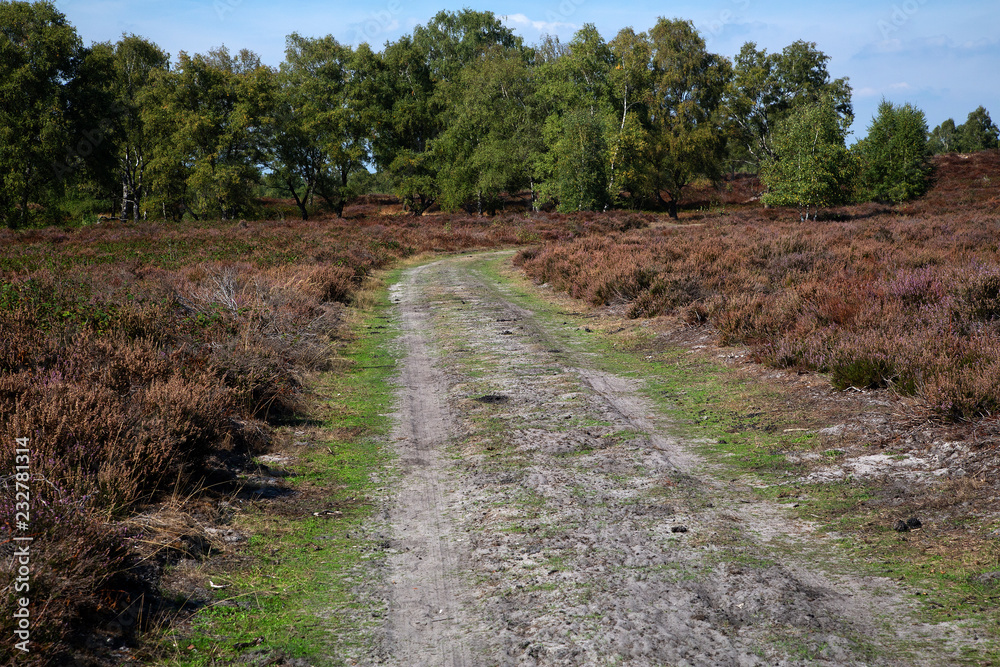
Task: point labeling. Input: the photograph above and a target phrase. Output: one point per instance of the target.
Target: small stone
(913, 522)
(679, 529)
(987, 578)
(900, 526)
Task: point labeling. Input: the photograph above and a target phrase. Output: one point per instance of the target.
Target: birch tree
(135, 60)
(686, 138)
(811, 167)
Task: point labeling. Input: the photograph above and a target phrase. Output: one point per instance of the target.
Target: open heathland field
(145, 362)
(163, 372)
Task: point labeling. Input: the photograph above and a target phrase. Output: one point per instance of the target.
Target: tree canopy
(894, 155)
(810, 167)
(459, 113)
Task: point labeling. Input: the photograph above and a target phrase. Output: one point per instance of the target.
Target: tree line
(458, 113)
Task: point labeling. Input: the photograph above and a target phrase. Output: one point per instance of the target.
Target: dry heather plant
(906, 298)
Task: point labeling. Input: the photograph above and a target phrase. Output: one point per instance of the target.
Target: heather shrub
(78, 574)
(333, 283)
(109, 448)
(629, 221)
(666, 295)
(866, 362)
(906, 298)
(982, 296)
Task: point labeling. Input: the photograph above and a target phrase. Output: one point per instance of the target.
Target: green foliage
(89, 169)
(811, 167)
(319, 136)
(416, 180)
(977, 133)
(39, 53)
(451, 40)
(894, 155)
(458, 113)
(208, 118)
(574, 97)
(688, 84)
(942, 138)
(491, 132)
(581, 176)
(765, 89)
(630, 85)
(417, 91)
(135, 61)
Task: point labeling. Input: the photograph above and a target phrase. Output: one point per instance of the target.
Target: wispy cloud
(520, 20)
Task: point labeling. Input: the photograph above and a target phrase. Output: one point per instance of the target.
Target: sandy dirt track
(546, 515)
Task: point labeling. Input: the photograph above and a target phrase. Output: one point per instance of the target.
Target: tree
(580, 156)
(319, 135)
(894, 155)
(549, 49)
(977, 133)
(942, 138)
(408, 121)
(209, 119)
(451, 40)
(39, 52)
(765, 88)
(685, 129)
(491, 131)
(89, 169)
(574, 97)
(811, 166)
(417, 94)
(135, 59)
(630, 87)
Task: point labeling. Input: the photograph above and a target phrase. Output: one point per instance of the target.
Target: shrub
(982, 297)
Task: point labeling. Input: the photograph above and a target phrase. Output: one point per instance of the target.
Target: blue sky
(943, 57)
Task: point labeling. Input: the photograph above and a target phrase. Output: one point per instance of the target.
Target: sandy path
(426, 614)
(546, 516)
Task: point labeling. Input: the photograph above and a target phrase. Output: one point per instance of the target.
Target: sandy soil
(546, 515)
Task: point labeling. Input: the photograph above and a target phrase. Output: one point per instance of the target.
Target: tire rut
(426, 612)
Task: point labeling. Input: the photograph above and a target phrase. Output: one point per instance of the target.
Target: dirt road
(547, 516)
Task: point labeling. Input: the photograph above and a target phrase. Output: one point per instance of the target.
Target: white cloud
(521, 20)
